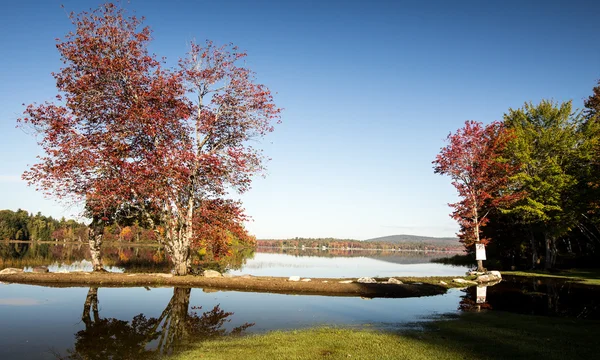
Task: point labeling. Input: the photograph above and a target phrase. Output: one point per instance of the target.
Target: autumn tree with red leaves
(231, 111)
(118, 120)
(125, 138)
(474, 161)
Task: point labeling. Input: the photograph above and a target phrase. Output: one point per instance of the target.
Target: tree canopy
(132, 139)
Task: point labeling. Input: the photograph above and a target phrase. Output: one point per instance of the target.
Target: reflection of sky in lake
(264, 264)
(31, 332)
(76, 266)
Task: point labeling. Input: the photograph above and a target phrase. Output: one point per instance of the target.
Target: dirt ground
(412, 287)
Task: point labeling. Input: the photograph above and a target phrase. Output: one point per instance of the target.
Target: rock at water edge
(40, 269)
(366, 280)
(10, 271)
(495, 273)
(463, 281)
(211, 273)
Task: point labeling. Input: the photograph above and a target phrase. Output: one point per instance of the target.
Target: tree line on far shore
(21, 225)
(529, 185)
(333, 244)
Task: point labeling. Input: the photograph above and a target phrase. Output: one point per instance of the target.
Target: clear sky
(370, 91)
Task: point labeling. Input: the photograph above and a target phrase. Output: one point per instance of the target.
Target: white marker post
(480, 252)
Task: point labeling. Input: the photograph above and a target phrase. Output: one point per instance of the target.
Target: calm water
(129, 323)
(396, 264)
(44, 322)
(39, 322)
(262, 262)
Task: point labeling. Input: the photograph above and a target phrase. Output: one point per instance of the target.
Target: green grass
(433, 280)
(583, 276)
(489, 335)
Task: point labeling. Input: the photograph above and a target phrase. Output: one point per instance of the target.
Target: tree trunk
(90, 308)
(480, 267)
(178, 248)
(95, 241)
(174, 319)
(550, 252)
(534, 253)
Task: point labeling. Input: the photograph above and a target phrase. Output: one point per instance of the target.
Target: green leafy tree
(547, 144)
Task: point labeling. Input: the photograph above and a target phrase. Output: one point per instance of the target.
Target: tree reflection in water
(179, 327)
(536, 296)
(110, 338)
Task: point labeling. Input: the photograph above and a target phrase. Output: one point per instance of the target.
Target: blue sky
(370, 91)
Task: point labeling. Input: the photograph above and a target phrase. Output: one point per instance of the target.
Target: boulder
(294, 278)
(366, 280)
(346, 282)
(162, 275)
(394, 281)
(484, 278)
(489, 276)
(40, 269)
(10, 271)
(496, 273)
(211, 273)
(305, 280)
(463, 281)
(443, 283)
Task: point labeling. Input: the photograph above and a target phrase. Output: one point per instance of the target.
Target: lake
(393, 264)
(39, 322)
(262, 262)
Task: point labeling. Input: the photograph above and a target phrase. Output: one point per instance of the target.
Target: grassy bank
(584, 276)
(489, 335)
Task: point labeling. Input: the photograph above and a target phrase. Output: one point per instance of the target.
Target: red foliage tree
(592, 104)
(217, 223)
(117, 120)
(125, 138)
(474, 161)
(231, 110)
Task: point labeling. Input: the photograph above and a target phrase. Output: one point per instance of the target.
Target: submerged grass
(487, 335)
(583, 276)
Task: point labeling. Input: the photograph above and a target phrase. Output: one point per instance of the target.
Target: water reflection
(111, 338)
(143, 324)
(398, 264)
(69, 257)
(535, 296)
(73, 257)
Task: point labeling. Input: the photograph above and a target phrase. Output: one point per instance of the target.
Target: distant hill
(401, 239)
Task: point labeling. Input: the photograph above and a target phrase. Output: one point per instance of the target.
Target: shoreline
(412, 287)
